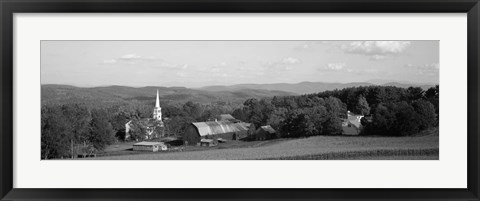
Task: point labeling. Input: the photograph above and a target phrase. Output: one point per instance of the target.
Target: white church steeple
(157, 111)
(157, 104)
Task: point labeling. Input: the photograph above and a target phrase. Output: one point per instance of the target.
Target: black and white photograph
(240, 100)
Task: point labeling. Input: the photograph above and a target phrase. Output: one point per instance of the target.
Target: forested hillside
(310, 87)
(103, 96)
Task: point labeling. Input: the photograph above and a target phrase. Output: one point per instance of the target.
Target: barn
(214, 130)
(150, 146)
(352, 125)
(265, 133)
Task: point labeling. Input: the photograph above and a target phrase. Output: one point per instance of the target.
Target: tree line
(65, 126)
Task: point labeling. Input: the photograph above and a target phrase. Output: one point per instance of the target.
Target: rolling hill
(112, 94)
(236, 94)
(306, 87)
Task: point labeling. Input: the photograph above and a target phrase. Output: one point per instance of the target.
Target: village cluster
(223, 129)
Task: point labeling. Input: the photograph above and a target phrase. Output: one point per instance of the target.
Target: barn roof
(219, 127)
(268, 129)
(354, 119)
(355, 123)
(148, 143)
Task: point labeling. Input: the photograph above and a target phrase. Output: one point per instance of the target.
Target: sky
(203, 63)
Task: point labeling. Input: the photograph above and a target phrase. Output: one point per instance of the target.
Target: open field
(311, 148)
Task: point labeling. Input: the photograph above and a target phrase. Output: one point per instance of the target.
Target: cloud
(134, 57)
(290, 60)
(377, 57)
(145, 61)
(314, 45)
(377, 50)
(343, 68)
(217, 67)
(284, 64)
(171, 66)
(109, 61)
(303, 47)
(181, 74)
(334, 67)
(129, 59)
(430, 69)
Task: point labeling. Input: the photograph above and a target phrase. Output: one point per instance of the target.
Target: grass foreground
(310, 148)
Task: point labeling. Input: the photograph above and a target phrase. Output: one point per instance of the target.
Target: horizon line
(143, 86)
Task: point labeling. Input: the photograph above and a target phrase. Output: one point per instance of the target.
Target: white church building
(154, 127)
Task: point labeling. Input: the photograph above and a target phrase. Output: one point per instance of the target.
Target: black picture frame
(9, 7)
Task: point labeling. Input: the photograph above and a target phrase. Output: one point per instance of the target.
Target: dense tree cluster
(394, 111)
(67, 125)
(389, 111)
(295, 116)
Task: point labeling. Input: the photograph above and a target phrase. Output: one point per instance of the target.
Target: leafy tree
(277, 118)
(397, 119)
(318, 117)
(426, 113)
(376, 95)
(295, 124)
(138, 130)
(383, 121)
(415, 93)
(79, 119)
(55, 133)
(193, 110)
(362, 106)
(432, 95)
(118, 122)
(101, 133)
(176, 125)
(336, 107)
(315, 101)
(240, 114)
(290, 103)
(407, 119)
(257, 112)
(332, 126)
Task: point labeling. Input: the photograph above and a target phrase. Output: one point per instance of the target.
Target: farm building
(208, 143)
(265, 133)
(352, 125)
(213, 130)
(150, 146)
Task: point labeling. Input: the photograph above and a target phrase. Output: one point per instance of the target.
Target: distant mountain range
(308, 87)
(235, 93)
(96, 95)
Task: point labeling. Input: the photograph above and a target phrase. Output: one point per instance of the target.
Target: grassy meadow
(424, 147)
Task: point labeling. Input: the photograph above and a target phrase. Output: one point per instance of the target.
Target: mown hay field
(312, 148)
